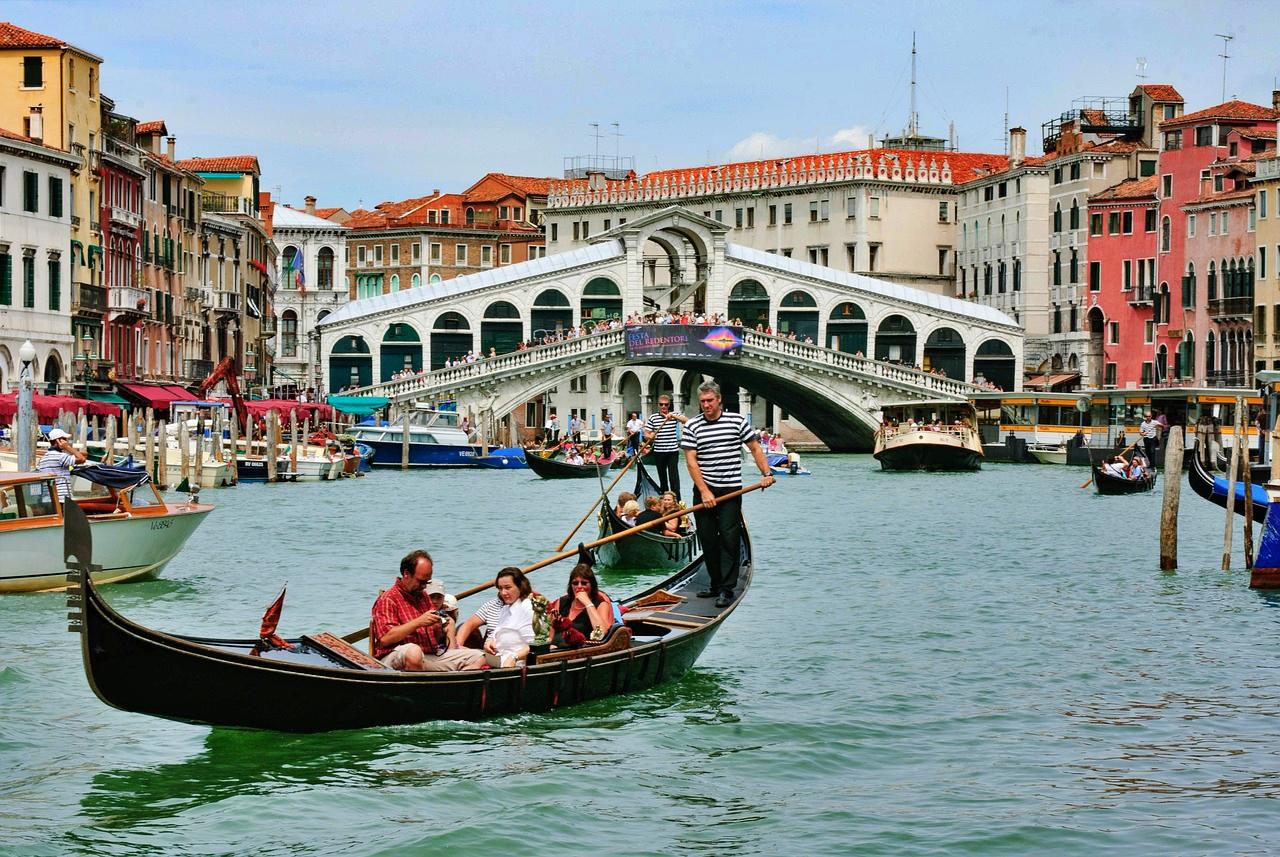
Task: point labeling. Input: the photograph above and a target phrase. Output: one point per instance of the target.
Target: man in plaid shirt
(407, 632)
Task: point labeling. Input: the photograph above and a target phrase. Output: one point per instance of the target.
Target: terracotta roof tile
(1161, 92)
(326, 213)
(1242, 111)
(1115, 147)
(1222, 196)
(14, 135)
(1128, 189)
(227, 164)
(12, 36)
(1258, 133)
(155, 127)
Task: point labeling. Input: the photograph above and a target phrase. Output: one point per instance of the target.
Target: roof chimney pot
(310, 205)
(1017, 146)
(35, 124)
(171, 144)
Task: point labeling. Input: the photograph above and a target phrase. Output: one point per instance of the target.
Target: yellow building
(1266, 194)
(49, 92)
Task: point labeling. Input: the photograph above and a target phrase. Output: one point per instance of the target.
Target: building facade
(35, 277)
(133, 312)
(1266, 340)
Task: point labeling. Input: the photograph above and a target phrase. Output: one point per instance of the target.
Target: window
(875, 208)
(431, 216)
(1166, 186)
(395, 254)
(435, 252)
(1074, 269)
(460, 255)
(1017, 275)
(1075, 214)
(577, 230)
(943, 254)
(1166, 236)
(504, 254)
(55, 284)
(1057, 177)
(1057, 319)
(1252, 219)
(819, 255)
(1260, 322)
(444, 215)
(1109, 379)
(1146, 168)
(377, 254)
(30, 192)
(943, 212)
(1126, 275)
(988, 193)
(1149, 220)
(1057, 217)
(738, 218)
(415, 251)
(415, 281)
(1262, 263)
(6, 279)
(1147, 372)
(486, 255)
(555, 231)
(773, 215)
(1191, 226)
(986, 279)
(751, 217)
(1148, 331)
(55, 196)
(1113, 332)
(1225, 228)
(1057, 268)
(1217, 183)
(1204, 135)
(719, 218)
(1095, 224)
(874, 256)
(1213, 223)
(517, 212)
(824, 209)
(1003, 190)
(1126, 223)
(1113, 223)
(395, 282)
(851, 207)
(1173, 140)
(32, 72)
(503, 212)
(1095, 276)
(1075, 174)
(29, 280)
(324, 268)
(607, 223)
(813, 211)
(1262, 205)
(786, 214)
(360, 257)
(786, 252)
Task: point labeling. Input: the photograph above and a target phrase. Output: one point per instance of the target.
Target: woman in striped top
(711, 443)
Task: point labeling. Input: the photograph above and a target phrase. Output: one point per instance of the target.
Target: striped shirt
(666, 437)
(58, 463)
(718, 446)
(488, 613)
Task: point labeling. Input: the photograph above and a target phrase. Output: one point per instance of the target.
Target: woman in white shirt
(513, 631)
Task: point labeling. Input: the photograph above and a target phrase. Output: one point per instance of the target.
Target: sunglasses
(585, 583)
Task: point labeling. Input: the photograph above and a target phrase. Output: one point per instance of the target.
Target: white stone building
(35, 282)
(308, 291)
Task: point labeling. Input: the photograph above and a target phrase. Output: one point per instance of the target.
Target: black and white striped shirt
(666, 437)
(718, 446)
(488, 613)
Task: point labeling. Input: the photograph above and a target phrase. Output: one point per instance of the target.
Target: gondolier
(711, 444)
(1150, 430)
(661, 432)
(606, 437)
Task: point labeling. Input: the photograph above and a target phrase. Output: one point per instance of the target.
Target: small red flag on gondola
(267, 638)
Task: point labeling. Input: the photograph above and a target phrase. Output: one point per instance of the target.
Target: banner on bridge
(683, 340)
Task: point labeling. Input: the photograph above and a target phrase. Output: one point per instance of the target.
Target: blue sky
(366, 101)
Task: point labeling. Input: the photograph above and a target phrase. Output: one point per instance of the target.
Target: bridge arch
(798, 313)
(847, 328)
(749, 301)
(451, 338)
(502, 328)
(401, 350)
(994, 362)
(601, 300)
(350, 363)
(660, 384)
(551, 313)
(896, 339)
(944, 350)
(631, 393)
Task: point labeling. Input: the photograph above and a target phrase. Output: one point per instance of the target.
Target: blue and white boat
(503, 458)
(435, 440)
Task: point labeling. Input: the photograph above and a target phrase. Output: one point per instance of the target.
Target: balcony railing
(87, 297)
(226, 302)
(197, 370)
(1143, 295)
(1228, 379)
(127, 299)
(1226, 308)
(221, 204)
(125, 217)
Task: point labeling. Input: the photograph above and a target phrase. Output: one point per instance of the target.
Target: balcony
(126, 300)
(124, 217)
(197, 370)
(87, 298)
(194, 293)
(228, 302)
(222, 204)
(1228, 379)
(1144, 295)
(75, 220)
(267, 326)
(1226, 309)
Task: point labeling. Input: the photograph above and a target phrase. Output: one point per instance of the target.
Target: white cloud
(761, 144)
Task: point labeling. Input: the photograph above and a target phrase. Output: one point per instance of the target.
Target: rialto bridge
(866, 333)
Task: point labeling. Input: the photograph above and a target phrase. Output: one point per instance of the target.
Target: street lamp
(86, 356)
(26, 416)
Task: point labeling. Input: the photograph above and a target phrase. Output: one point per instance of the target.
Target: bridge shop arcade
(866, 335)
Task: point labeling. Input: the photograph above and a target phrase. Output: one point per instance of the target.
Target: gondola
(645, 549)
(1214, 489)
(325, 684)
(554, 468)
(1258, 473)
(620, 460)
(1106, 483)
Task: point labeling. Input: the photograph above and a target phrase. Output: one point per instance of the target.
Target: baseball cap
(57, 434)
(434, 587)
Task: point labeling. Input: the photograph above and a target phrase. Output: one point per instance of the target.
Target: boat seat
(97, 506)
(616, 639)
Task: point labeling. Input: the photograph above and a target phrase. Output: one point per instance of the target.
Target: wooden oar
(357, 636)
(1091, 465)
(604, 494)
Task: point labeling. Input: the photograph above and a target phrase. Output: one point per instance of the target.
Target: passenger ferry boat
(1085, 424)
(435, 440)
(928, 436)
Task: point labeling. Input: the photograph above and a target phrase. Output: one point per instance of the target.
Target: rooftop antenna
(595, 132)
(1225, 56)
(617, 142)
(912, 119)
(1006, 121)
(1142, 68)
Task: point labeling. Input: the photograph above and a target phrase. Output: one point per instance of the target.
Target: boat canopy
(361, 406)
(120, 478)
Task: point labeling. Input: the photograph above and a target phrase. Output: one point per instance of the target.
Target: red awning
(260, 407)
(183, 394)
(47, 408)
(154, 395)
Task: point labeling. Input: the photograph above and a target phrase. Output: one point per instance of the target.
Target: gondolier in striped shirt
(664, 436)
(712, 451)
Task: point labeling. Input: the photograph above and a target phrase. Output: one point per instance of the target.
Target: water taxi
(928, 435)
(435, 440)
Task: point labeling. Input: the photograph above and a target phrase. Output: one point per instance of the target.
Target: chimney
(171, 147)
(1017, 146)
(595, 180)
(35, 124)
(1206, 185)
(1070, 138)
(310, 205)
(1275, 99)
(871, 141)
(435, 191)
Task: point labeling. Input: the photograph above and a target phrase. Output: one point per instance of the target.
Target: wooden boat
(1049, 453)
(555, 468)
(646, 549)
(323, 683)
(136, 531)
(1214, 489)
(1106, 483)
(953, 447)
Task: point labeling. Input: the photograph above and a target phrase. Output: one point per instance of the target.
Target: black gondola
(324, 684)
(646, 549)
(1106, 483)
(1214, 489)
(555, 468)
(1258, 473)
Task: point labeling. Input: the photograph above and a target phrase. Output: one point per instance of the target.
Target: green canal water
(983, 663)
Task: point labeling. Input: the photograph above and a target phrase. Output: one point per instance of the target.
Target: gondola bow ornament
(267, 637)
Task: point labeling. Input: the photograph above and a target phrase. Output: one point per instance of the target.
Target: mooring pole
(1234, 469)
(1169, 507)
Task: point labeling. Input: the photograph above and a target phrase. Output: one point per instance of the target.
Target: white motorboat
(1049, 453)
(135, 532)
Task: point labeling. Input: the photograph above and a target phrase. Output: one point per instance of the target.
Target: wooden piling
(1233, 471)
(1247, 476)
(162, 457)
(198, 468)
(151, 444)
(293, 440)
(1169, 506)
(94, 433)
(109, 443)
(234, 475)
(272, 449)
(404, 443)
(184, 457)
(82, 432)
(131, 444)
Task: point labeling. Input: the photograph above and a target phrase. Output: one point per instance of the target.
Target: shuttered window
(6, 279)
(55, 284)
(30, 192)
(29, 282)
(55, 196)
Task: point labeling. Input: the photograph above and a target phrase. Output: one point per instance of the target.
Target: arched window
(416, 281)
(1166, 234)
(1057, 217)
(289, 333)
(471, 216)
(1075, 214)
(290, 261)
(395, 282)
(324, 268)
(434, 278)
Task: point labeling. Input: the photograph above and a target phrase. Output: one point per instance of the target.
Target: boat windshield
(28, 500)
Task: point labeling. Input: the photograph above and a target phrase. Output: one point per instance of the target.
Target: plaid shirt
(393, 608)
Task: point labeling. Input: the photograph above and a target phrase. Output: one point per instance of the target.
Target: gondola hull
(552, 468)
(220, 683)
(1214, 489)
(1107, 484)
(644, 550)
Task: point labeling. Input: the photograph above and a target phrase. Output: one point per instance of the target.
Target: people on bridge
(712, 443)
(662, 432)
(407, 632)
